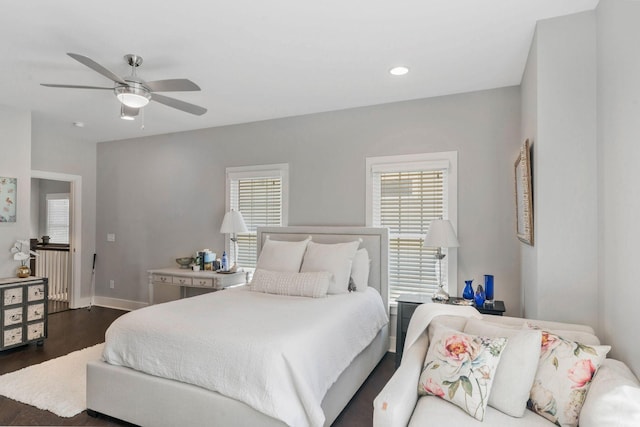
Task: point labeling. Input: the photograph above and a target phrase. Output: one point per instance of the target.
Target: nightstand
(408, 303)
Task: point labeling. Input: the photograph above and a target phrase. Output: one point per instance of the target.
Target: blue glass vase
(467, 293)
(479, 296)
(488, 287)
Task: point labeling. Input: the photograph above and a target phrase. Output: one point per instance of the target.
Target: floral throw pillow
(460, 368)
(563, 378)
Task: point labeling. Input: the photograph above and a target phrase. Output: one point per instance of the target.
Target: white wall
(15, 161)
(561, 274)
(529, 130)
(619, 175)
(163, 196)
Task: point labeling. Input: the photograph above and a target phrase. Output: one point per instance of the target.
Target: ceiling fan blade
(75, 86)
(172, 85)
(98, 68)
(180, 105)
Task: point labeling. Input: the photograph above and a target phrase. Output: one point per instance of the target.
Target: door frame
(75, 241)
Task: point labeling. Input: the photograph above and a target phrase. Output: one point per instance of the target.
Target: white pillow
(282, 256)
(335, 258)
(613, 399)
(518, 365)
(360, 270)
(312, 285)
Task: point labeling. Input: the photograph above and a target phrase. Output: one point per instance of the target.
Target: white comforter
(277, 354)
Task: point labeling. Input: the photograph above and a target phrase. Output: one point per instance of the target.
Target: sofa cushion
(563, 378)
(460, 368)
(518, 365)
(431, 411)
(613, 399)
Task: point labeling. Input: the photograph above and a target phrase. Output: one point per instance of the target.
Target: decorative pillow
(360, 270)
(312, 285)
(460, 368)
(518, 365)
(282, 256)
(563, 378)
(335, 258)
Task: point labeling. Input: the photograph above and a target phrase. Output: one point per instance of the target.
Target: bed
(146, 396)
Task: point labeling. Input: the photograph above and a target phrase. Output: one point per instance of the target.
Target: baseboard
(120, 304)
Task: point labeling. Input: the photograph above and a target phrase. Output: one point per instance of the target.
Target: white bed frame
(143, 399)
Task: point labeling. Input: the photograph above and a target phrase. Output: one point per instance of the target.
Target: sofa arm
(395, 403)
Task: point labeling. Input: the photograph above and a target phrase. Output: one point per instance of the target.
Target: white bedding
(278, 354)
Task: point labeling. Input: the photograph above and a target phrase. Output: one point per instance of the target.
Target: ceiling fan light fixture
(131, 96)
(128, 113)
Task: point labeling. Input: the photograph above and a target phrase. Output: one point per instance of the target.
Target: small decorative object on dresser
(22, 253)
(23, 311)
(467, 293)
(488, 288)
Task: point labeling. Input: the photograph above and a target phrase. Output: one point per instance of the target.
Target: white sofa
(612, 400)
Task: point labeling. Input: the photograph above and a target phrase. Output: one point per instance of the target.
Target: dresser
(185, 279)
(407, 304)
(23, 311)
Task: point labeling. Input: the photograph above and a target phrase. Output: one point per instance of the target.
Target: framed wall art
(524, 205)
(8, 192)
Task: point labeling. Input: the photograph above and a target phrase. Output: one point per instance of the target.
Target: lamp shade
(440, 235)
(233, 223)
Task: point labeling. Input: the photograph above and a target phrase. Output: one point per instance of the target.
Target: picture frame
(8, 195)
(523, 195)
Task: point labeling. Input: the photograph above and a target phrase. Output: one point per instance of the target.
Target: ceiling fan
(133, 92)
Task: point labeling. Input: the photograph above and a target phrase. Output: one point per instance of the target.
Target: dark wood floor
(76, 329)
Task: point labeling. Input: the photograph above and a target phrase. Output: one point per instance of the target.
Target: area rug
(57, 385)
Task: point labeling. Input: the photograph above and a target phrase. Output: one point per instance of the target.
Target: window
(404, 193)
(58, 218)
(260, 194)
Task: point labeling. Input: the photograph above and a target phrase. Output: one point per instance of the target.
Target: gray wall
(52, 153)
(164, 196)
(560, 273)
(619, 175)
(15, 158)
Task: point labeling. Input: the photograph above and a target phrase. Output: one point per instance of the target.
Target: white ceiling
(257, 60)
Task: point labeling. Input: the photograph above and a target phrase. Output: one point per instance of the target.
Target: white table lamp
(233, 223)
(440, 235)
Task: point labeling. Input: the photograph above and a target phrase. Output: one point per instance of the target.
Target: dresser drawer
(35, 292)
(12, 296)
(203, 282)
(13, 316)
(182, 281)
(35, 331)
(161, 278)
(12, 337)
(35, 312)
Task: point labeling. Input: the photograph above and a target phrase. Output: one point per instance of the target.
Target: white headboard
(375, 240)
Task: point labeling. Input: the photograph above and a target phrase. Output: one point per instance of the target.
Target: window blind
(58, 219)
(406, 201)
(260, 202)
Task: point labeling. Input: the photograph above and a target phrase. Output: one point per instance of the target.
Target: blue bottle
(479, 297)
(224, 262)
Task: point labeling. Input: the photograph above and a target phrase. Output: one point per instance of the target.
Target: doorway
(56, 235)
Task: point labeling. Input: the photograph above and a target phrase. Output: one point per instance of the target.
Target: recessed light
(78, 124)
(399, 71)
